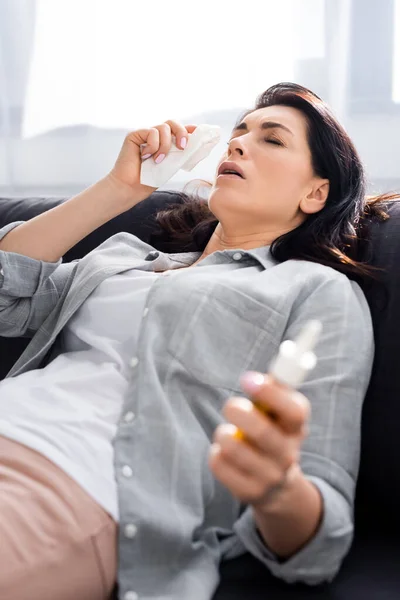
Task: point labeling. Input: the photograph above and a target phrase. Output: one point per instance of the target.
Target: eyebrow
(265, 125)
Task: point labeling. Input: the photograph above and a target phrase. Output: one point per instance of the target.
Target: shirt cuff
(320, 559)
(21, 276)
(3, 232)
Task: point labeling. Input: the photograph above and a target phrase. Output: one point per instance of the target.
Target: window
(396, 53)
(374, 77)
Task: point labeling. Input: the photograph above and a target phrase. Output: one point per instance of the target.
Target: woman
(131, 375)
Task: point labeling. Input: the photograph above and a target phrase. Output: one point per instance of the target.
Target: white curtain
(119, 63)
(75, 75)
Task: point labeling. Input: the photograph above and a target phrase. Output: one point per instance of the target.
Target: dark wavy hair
(337, 235)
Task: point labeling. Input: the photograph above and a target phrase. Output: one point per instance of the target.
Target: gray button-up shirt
(200, 334)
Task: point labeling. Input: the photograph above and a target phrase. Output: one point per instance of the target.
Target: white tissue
(200, 143)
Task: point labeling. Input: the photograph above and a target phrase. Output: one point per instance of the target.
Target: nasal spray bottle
(294, 361)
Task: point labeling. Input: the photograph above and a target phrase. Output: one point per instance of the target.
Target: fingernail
(160, 158)
(252, 381)
(183, 142)
(215, 449)
(299, 399)
(227, 429)
(146, 156)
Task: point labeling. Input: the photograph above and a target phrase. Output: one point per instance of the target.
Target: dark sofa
(371, 571)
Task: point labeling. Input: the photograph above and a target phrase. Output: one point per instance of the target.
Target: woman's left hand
(258, 466)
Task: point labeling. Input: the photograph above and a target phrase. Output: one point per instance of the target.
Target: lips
(231, 168)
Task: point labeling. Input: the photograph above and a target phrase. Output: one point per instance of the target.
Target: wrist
(283, 494)
(288, 521)
(120, 194)
(128, 195)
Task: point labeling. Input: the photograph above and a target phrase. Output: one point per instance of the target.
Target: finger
(180, 132)
(151, 141)
(262, 433)
(165, 138)
(190, 128)
(247, 459)
(290, 408)
(248, 489)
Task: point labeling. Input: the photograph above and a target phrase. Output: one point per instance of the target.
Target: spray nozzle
(296, 358)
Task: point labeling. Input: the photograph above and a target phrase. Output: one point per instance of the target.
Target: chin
(221, 199)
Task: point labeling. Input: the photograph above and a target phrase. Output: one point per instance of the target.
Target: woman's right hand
(146, 144)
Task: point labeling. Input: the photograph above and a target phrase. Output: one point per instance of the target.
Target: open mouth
(231, 173)
(230, 169)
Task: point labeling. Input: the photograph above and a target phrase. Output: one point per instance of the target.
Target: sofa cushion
(369, 572)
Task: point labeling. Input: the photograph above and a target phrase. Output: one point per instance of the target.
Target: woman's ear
(316, 198)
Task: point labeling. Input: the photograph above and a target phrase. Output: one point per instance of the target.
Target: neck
(220, 240)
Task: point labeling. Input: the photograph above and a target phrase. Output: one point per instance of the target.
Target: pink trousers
(56, 542)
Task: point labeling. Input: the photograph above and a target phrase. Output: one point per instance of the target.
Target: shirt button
(127, 471)
(2, 272)
(131, 596)
(129, 416)
(146, 310)
(134, 362)
(237, 256)
(130, 530)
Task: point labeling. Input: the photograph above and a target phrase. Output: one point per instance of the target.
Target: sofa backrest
(378, 494)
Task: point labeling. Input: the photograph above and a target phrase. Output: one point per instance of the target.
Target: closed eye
(273, 141)
(269, 140)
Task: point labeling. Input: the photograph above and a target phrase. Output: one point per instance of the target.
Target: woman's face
(279, 187)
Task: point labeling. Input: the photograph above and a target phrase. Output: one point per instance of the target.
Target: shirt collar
(261, 255)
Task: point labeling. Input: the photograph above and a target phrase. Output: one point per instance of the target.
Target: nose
(236, 147)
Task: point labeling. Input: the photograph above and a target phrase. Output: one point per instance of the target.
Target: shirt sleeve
(330, 455)
(29, 290)
(320, 559)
